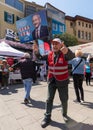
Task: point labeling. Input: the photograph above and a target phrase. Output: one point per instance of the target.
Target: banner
(44, 47)
(32, 27)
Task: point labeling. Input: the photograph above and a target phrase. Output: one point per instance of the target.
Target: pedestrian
(5, 73)
(27, 70)
(42, 73)
(78, 75)
(57, 77)
(87, 72)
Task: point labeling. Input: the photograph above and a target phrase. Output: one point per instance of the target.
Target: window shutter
(17, 18)
(5, 16)
(13, 18)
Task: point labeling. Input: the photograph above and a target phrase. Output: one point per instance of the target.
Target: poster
(32, 27)
(44, 47)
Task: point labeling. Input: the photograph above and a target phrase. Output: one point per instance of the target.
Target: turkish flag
(46, 47)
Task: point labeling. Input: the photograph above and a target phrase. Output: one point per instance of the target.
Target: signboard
(10, 34)
(28, 26)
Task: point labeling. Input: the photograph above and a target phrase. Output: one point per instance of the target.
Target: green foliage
(68, 39)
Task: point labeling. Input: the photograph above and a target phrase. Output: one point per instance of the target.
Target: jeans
(27, 84)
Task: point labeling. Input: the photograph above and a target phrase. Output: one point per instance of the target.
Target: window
(17, 18)
(15, 3)
(71, 24)
(78, 33)
(30, 10)
(89, 25)
(86, 35)
(79, 23)
(54, 26)
(82, 34)
(8, 17)
(82, 24)
(61, 28)
(86, 25)
(89, 36)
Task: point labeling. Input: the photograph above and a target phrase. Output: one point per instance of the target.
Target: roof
(78, 17)
(25, 46)
(86, 48)
(54, 7)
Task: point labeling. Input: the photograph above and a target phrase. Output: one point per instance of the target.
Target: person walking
(42, 73)
(57, 77)
(5, 73)
(78, 75)
(87, 72)
(27, 69)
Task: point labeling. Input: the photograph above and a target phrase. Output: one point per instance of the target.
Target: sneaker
(26, 101)
(29, 98)
(45, 122)
(82, 101)
(66, 118)
(77, 101)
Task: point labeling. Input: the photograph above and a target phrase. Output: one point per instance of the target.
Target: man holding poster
(40, 31)
(57, 77)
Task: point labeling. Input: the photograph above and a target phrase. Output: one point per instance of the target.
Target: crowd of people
(57, 75)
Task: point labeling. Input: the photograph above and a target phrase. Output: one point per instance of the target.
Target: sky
(71, 7)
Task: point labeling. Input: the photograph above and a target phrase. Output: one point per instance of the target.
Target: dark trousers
(63, 95)
(78, 82)
(88, 78)
(5, 80)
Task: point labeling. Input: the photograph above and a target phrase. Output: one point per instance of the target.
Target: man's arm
(40, 57)
(70, 55)
(67, 52)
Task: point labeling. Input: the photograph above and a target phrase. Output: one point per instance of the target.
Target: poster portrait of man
(40, 25)
(32, 27)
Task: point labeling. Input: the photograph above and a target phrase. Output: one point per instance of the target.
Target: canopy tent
(6, 50)
(18, 45)
(86, 48)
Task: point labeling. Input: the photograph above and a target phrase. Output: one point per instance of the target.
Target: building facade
(58, 23)
(10, 12)
(56, 20)
(31, 8)
(80, 27)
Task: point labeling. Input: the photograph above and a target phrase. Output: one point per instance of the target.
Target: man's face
(36, 21)
(56, 46)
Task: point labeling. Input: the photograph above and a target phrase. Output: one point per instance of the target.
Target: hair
(37, 16)
(27, 55)
(78, 52)
(4, 61)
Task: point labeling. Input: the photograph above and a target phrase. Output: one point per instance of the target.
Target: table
(14, 76)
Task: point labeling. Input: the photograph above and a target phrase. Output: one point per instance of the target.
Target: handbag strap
(77, 65)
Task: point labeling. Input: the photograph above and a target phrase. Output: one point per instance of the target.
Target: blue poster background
(25, 26)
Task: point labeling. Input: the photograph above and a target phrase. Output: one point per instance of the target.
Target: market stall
(7, 50)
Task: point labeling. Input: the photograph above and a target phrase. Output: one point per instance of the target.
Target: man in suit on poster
(40, 31)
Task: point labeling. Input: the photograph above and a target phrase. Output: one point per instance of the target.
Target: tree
(68, 39)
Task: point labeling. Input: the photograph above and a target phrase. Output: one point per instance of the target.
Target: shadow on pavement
(9, 90)
(13, 88)
(72, 125)
(66, 125)
(88, 104)
(35, 103)
(39, 104)
(81, 126)
(62, 126)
